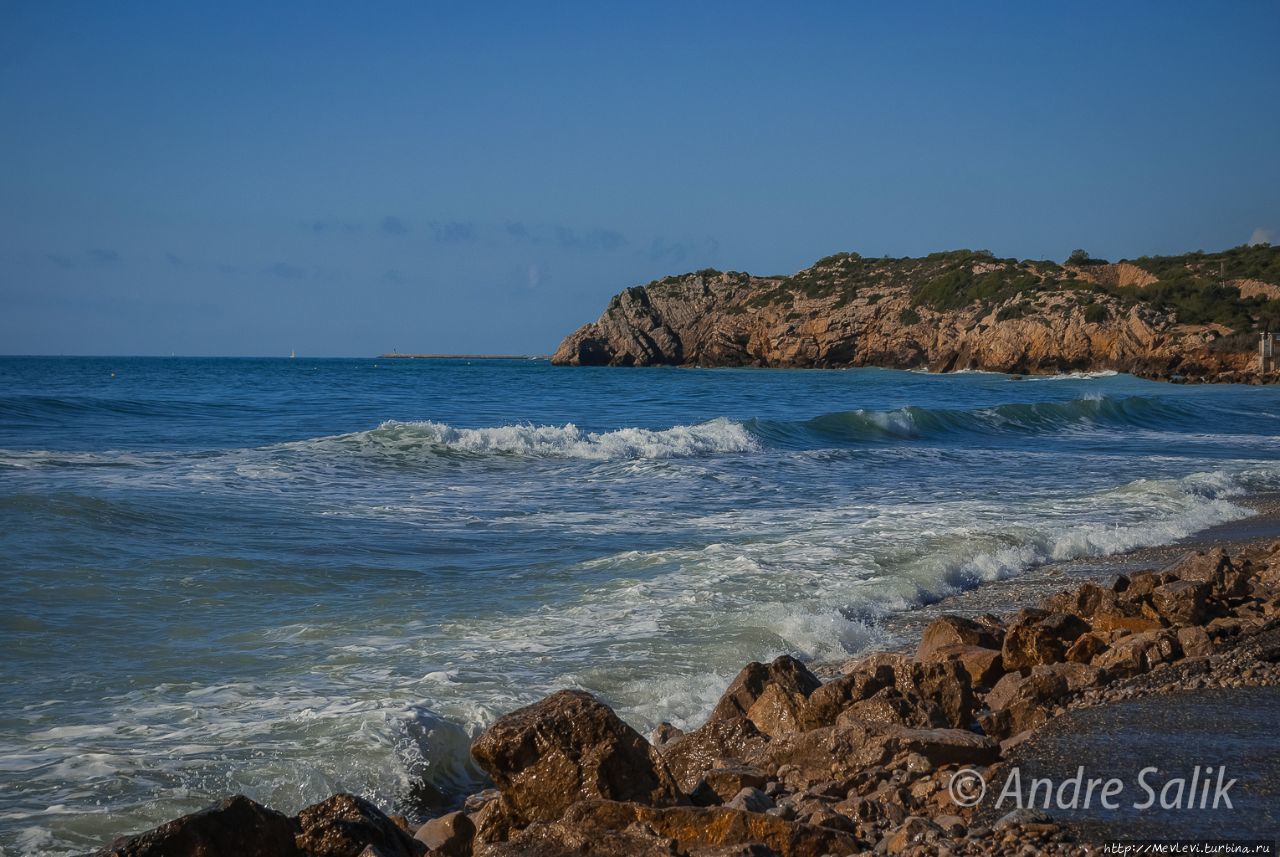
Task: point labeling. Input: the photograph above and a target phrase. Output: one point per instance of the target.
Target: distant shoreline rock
(789, 765)
(1191, 318)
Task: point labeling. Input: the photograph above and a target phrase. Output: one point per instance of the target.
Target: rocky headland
(788, 764)
(1195, 317)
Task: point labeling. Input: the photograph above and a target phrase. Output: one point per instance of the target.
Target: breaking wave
(718, 436)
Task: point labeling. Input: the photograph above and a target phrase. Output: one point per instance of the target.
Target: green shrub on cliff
(961, 287)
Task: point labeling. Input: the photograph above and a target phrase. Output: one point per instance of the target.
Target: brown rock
(1118, 621)
(449, 835)
(1182, 602)
(983, 666)
(1202, 565)
(711, 827)
(947, 746)
(954, 631)
(570, 747)
(719, 785)
(861, 682)
(1138, 653)
(946, 685)
(890, 707)
(1084, 601)
(665, 733)
(895, 662)
(1020, 702)
(719, 743)
(236, 826)
(830, 753)
(344, 825)
(560, 840)
(1037, 637)
(915, 831)
(1086, 648)
(752, 680)
(777, 712)
(1195, 642)
(1077, 676)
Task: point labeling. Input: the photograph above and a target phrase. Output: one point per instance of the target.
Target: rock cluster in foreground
(788, 765)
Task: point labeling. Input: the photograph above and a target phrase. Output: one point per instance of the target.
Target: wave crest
(718, 436)
(1024, 418)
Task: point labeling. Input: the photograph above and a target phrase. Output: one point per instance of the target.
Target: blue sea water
(290, 577)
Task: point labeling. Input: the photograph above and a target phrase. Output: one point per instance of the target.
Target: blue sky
(347, 178)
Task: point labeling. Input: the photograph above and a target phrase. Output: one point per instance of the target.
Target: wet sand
(1229, 728)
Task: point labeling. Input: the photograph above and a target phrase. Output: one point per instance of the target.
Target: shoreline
(857, 760)
(1044, 579)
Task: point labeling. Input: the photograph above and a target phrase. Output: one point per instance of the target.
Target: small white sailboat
(293, 355)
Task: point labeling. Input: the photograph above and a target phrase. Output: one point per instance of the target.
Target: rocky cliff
(1194, 317)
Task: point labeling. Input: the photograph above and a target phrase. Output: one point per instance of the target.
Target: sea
(290, 577)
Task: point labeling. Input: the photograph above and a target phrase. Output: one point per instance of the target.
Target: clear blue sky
(345, 178)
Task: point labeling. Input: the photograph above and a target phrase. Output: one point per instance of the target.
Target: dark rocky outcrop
(235, 826)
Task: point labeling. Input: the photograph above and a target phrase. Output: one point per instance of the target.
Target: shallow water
(289, 577)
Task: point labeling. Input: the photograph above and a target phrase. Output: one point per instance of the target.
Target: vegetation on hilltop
(1192, 287)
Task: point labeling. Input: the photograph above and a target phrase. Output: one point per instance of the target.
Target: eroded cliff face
(831, 315)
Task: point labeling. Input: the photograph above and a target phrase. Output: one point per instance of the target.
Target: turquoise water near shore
(290, 577)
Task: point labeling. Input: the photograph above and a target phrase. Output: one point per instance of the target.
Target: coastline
(856, 761)
(1043, 580)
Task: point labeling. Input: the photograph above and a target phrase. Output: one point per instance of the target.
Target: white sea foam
(1075, 376)
(393, 437)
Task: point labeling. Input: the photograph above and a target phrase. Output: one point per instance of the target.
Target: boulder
(775, 692)
(947, 746)
(830, 753)
(1119, 620)
(945, 684)
(895, 662)
(891, 707)
(912, 833)
(1138, 653)
(449, 835)
(236, 826)
(1077, 676)
(1204, 566)
(566, 748)
(1083, 601)
(954, 631)
(1086, 648)
(665, 733)
(1019, 702)
(1182, 602)
(343, 825)
(1195, 642)
(983, 666)
(718, 744)
(777, 711)
(750, 799)
(860, 682)
(1036, 637)
(720, 785)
